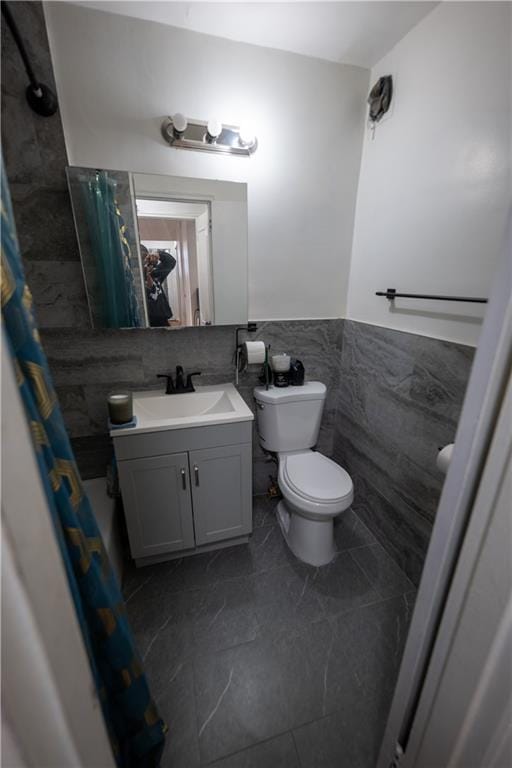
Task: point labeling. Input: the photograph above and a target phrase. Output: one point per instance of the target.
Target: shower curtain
(135, 728)
(111, 253)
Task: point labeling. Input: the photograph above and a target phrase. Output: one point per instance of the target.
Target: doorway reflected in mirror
(176, 257)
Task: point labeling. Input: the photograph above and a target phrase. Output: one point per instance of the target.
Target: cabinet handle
(183, 479)
(196, 473)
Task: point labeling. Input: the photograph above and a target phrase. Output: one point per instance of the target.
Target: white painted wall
(117, 77)
(435, 183)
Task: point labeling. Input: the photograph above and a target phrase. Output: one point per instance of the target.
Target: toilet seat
(314, 484)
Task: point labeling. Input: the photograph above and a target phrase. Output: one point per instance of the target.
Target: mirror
(160, 251)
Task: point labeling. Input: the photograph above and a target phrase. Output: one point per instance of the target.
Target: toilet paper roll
(254, 352)
(444, 457)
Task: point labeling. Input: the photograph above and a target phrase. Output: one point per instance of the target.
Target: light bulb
(179, 123)
(246, 136)
(214, 128)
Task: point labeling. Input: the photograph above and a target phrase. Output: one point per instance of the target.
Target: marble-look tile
(399, 400)
(33, 149)
(74, 409)
(176, 705)
(268, 549)
(342, 586)
(373, 638)
(44, 223)
(348, 738)
(384, 575)
(224, 615)
(108, 370)
(260, 689)
(286, 599)
(101, 360)
(263, 511)
(278, 752)
(350, 531)
(159, 617)
(401, 530)
(58, 292)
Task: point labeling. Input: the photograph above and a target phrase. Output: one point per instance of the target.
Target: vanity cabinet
(220, 479)
(157, 504)
(186, 500)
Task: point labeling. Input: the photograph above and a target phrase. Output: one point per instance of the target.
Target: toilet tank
(288, 418)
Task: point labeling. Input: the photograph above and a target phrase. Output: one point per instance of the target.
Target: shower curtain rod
(391, 293)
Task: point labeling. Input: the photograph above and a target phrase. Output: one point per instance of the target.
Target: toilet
(315, 489)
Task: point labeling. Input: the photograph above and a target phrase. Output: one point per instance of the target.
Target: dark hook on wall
(40, 97)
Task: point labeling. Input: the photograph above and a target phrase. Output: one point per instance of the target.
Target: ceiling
(358, 33)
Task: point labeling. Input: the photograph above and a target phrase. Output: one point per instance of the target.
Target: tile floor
(257, 660)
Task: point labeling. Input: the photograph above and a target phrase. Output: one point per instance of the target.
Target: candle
(120, 407)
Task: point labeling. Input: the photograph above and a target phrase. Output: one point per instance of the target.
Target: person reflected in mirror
(157, 267)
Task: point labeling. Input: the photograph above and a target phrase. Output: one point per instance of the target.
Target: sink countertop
(208, 405)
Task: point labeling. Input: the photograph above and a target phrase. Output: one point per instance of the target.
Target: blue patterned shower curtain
(135, 728)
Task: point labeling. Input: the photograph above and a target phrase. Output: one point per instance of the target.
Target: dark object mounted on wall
(380, 98)
(40, 97)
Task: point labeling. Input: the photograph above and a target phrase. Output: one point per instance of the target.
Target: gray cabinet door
(157, 504)
(221, 481)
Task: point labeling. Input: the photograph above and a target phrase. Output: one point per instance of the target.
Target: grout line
(251, 746)
(297, 753)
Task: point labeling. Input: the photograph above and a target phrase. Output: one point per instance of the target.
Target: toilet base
(312, 541)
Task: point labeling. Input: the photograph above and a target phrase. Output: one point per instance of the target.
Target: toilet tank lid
(311, 390)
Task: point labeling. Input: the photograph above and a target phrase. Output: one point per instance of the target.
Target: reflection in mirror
(104, 221)
(160, 251)
(175, 247)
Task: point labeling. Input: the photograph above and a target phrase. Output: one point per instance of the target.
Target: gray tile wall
(398, 400)
(87, 364)
(35, 159)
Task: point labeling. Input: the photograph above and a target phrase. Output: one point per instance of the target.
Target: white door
(204, 272)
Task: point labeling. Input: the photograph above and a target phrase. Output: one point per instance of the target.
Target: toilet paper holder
(249, 328)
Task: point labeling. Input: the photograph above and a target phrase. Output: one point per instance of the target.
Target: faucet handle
(190, 386)
(179, 377)
(170, 386)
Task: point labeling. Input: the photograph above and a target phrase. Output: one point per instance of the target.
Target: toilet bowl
(315, 489)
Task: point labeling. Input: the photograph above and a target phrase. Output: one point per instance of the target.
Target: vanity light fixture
(211, 136)
(213, 130)
(179, 125)
(246, 137)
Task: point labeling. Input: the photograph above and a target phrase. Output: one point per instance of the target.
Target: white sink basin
(217, 404)
(182, 406)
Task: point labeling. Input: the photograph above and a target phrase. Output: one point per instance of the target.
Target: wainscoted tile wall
(398, 400)
(87, 364)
